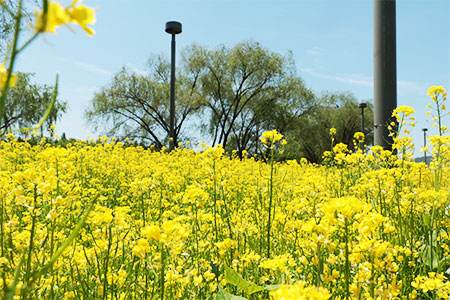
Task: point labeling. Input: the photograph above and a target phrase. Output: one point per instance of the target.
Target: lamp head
(173, 27)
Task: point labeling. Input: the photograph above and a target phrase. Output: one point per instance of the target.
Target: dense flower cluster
(270, 138)
(57, 15)
(366, 227)
(4, 77)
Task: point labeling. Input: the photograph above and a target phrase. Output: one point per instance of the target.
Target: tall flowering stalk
(271, 140)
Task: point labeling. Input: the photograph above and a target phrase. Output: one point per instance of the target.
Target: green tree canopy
(235, 93)
(7, 10)
(136, 106)
(26, 104)
(309, 135)
(243, 89)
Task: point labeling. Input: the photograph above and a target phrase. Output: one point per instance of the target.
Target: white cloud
(136, 70)
(87, 67)
(91, 68)
(404, 86)
(315, 51)
(357, 79)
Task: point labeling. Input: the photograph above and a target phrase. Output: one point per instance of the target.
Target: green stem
(347, 263)
(269, 221)
(12, 60)
(31, 243)
(162, 275)
(216, 232)
(65, 244)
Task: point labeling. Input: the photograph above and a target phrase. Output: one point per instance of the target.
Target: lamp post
(425, 143)
(362, 105)
(173, 28)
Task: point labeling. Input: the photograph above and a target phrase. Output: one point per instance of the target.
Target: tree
(26, 104)
(308, 135)
(136, 106)
(238, 93)
(277, 109)
(7, 11)
(240, 87)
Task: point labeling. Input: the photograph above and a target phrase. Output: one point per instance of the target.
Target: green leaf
(223, 295)
(232, 277)
(426, 219)
(50, 105)
(271, 287)
(430, 257)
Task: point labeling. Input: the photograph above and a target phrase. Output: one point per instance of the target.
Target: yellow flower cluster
(435, 91)
(300, 291)
(4, 77)
(57, 15)
(438, 284)
(403, 110)
(270, 138)
(359, 137)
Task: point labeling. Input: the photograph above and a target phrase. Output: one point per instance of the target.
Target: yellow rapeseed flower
(300, 291)
(401, 110)
(151, 232)
(435, 91)
(4, 77)
(269, 138)
(359, 136)
(141, 248)
(82, 15)
(57, 15)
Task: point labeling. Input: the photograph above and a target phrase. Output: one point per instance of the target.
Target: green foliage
(224, 295)
(308, 135)
(241, 86)
(235, 94)
(136, 106)
(28, 102)
(7, 12)
(234, 278)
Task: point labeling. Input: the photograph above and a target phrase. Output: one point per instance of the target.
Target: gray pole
(425, 143)
(172, 28)
(362, 120)
(363, 105)
(172, 141)
(385, 69)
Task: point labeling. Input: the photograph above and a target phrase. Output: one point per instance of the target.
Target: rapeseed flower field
(105, 221)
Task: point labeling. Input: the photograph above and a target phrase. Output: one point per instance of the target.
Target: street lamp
(425, 143)
(173, 28)
(362, 105)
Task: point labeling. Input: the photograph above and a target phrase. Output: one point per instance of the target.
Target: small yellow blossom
(151, 232)
(332, 131)
(403, 110)
(4, 77)
(141, 248)
(435, 91)
(57, 15)
(270, 138)
(359, 137)
(300, 291)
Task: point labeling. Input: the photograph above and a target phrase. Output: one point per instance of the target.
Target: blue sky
(331, 41)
